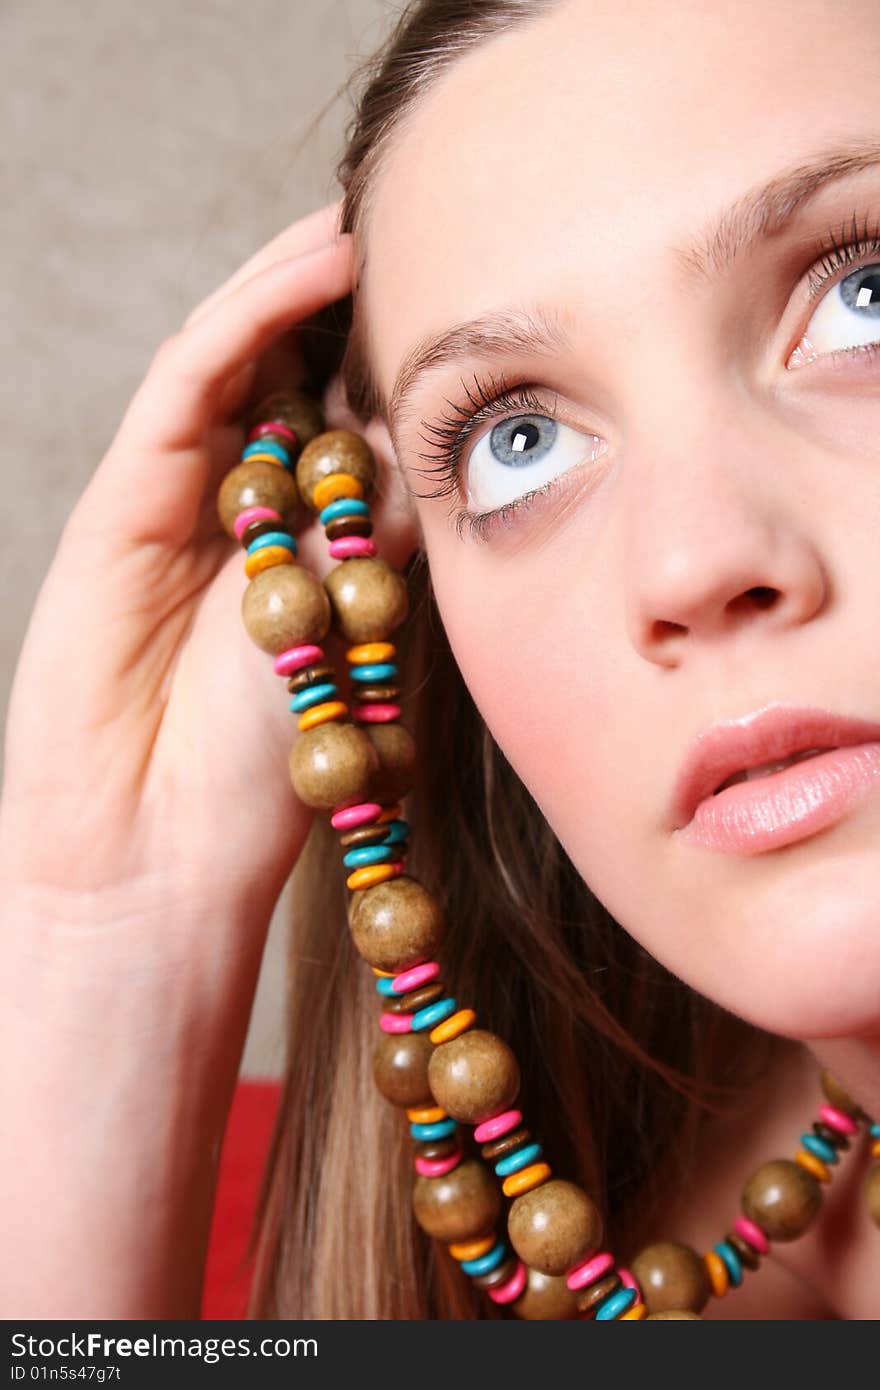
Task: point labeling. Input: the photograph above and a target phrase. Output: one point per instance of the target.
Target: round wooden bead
(554, 1226)
(835, 1093)
(255, 483)
(400, 1068)
(474, 1076)
(674, 1313)
(298, 409)
(461, 1205)
(283, 606)
(588, 1299)
(782, 1198)
(545, 1297)
(671, 1276)
(872, 1192)
(331, 764)
(368, 598)
(396, 748)
(335, 451)
(395, 924)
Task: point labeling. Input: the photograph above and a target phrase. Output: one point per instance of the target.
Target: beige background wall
(148, 149)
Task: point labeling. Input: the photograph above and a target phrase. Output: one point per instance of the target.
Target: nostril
(762, 595)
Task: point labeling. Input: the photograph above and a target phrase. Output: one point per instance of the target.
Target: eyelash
(451, 432)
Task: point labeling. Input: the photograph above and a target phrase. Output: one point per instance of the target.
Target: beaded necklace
(431, 1060)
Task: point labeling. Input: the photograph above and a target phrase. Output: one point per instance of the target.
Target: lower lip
(785, 806)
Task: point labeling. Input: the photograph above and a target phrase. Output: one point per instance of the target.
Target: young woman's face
(705, 541)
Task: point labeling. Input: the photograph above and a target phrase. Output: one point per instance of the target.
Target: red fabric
(242, 1159)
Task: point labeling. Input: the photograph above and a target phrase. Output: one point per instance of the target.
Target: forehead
(549, 156)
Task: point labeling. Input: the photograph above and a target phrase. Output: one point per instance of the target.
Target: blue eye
(847, 317)
(520, 454)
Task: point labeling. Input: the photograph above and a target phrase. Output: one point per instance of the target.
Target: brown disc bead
(413, 999)
(300, 410)
(783, 1198)
(671, 1275)
(835, 1093)
(395, 924)
(462, 1205)
(396, 749)
(258, 528)
(872, 1192)
(310, 675)
(348, 526)
(474, 1075)
(368, 596)
(376, 693)
(831, 1136)
(545, 1297)
(335, 451)
(283, 606)
(747, 1254)
(436, 1148)
(255, 483)
(363, 835)
(330, 764)
(497, 1148)
(554, 1226)
(400, 1068)
(674, 1313)
(588, 1299)
(499, 1275)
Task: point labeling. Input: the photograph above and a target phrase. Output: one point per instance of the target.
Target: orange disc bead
(875, 1149)
(386, 974)
(426, 1114)
(472, 1249)
(451, 1027)
(320, 714)
(813, 1165)
(264, 559)
(370, 875)
(265, 458)
(638, 1310)
(525, 1179)
(371, 651)
(717, 1271)
(333, 486)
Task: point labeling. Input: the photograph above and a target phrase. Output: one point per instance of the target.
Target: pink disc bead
(437, 1167)
(358, 813)
(838, 1119)
(344, 547)
(496, 1125)
(295, 658)
(629, 1281)
(272, 427)
(363, 813)
(752, 1233)
(415, 976)
(396, 1023)
(506, 1293)
(375, 714)
(254, 514)
(588, 1271)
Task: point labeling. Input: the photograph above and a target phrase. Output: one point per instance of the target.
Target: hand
(147, 739)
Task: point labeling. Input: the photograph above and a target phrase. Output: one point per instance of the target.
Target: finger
(179, 400)
(310, 232)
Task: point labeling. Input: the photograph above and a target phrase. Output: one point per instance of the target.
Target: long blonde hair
(620, 1060)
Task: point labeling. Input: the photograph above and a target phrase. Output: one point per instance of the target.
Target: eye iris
(861, 290)
(523, 439)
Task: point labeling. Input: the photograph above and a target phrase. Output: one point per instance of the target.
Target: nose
(714, 548)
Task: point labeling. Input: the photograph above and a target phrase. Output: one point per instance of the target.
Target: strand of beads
(780, 1201)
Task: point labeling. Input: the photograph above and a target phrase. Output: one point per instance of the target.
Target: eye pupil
(522, 440)
(862, 290)
(524, 437)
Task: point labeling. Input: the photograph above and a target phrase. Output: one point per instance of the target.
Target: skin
(723, 469)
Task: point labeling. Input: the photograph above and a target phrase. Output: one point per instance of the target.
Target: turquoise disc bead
(433, 1013)
(343, 506)
(373, 671)
(519, 1158)
(267, 446)
(368, 854)
(273, 538)
(615, 1304)
(396, 831)
(313, 695)
(385, 986)
(874, 1130)
(732, 1260)
(437, 1129)
(815, 1144)
(484, 1264)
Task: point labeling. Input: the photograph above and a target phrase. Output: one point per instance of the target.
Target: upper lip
(762, 737)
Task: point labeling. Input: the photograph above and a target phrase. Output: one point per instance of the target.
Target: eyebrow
(765, 210)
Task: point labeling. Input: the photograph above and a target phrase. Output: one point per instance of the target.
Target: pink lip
(784, 806)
